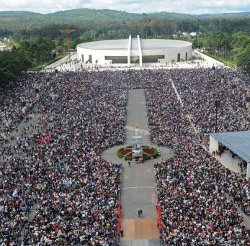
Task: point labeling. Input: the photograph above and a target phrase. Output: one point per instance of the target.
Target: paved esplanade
(138, 182)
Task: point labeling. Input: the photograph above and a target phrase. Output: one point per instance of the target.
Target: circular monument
(134, 51)
(136, 151)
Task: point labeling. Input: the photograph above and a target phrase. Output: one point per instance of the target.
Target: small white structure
(237, 142)
(134, 51)
(136, 144)
(193, 34)
(3, 47)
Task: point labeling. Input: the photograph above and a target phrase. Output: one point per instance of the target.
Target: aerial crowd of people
(57, 190)
(199, 197)
(202, 89)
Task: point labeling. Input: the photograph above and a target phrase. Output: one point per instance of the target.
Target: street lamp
(222, 78)
(213, 68)
(234, 83)
(217, 105)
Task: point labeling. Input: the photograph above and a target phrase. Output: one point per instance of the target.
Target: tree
(12, 63)
(242, 58)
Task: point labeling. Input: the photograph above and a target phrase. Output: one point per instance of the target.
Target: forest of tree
(12, 63)
(37, 37)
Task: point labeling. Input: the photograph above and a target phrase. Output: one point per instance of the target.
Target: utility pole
(217, 105)
(68, 32)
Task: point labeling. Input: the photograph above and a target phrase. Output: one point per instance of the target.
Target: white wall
(170, 53)
(248, 170)
(213, 144)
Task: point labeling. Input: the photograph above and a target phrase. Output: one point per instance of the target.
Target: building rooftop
(122, 44)
(238, 142)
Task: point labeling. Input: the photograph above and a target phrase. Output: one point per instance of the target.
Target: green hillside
(17, 14)
(96, 14)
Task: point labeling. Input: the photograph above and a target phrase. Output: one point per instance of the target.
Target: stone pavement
(63, 64)
(201, 61)
(142, 242)
(138, 183)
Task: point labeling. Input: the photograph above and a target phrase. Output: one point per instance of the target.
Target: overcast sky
(132, 6)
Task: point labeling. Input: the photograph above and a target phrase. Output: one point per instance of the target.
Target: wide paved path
(138, 182)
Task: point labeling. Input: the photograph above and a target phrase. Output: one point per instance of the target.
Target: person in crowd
(57, 190)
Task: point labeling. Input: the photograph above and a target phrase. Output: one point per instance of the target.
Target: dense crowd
(15, 100)
(201, 88)
(199, 197)
(57, 190)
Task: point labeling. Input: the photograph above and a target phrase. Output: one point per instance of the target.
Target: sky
(132, 6)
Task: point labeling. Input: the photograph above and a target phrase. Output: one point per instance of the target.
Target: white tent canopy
(237, 142)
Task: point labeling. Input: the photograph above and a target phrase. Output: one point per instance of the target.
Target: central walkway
(138, 183)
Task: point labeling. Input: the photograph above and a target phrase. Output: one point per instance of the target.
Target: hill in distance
(14, 21)
(96, 14)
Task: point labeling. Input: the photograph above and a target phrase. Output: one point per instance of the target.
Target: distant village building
(185, 34)
(3, 47)
(193, 34)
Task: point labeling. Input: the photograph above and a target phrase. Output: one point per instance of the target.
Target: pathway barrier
(119, 218)
(159, 220)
